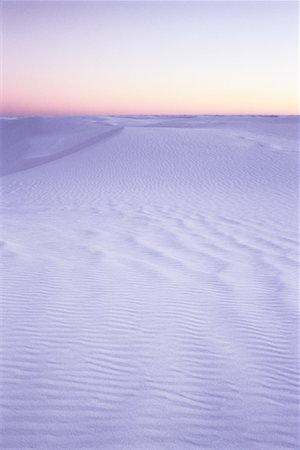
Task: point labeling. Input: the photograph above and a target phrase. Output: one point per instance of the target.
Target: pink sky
(142, 57)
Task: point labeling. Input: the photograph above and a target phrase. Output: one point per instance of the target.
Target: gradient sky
(150, 57)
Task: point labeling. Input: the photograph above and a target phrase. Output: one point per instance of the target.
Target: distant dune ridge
(150, 283)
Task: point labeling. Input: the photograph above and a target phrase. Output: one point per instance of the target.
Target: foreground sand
(150, 297)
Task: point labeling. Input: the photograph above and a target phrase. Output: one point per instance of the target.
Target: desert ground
(150, 283)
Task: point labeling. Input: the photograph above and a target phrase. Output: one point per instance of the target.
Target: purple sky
(150, 57)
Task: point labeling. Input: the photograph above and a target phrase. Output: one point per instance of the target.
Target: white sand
(150, 296)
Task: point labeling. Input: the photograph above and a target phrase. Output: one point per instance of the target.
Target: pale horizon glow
(76, 58)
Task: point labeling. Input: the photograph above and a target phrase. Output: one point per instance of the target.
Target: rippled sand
(150, 283)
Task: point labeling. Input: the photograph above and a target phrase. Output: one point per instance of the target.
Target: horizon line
(151, 114)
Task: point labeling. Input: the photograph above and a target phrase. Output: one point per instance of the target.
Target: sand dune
(150, 283)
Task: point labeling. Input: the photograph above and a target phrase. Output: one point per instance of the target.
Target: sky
(139, 57)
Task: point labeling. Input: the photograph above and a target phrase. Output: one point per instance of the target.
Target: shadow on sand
(15, 136)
